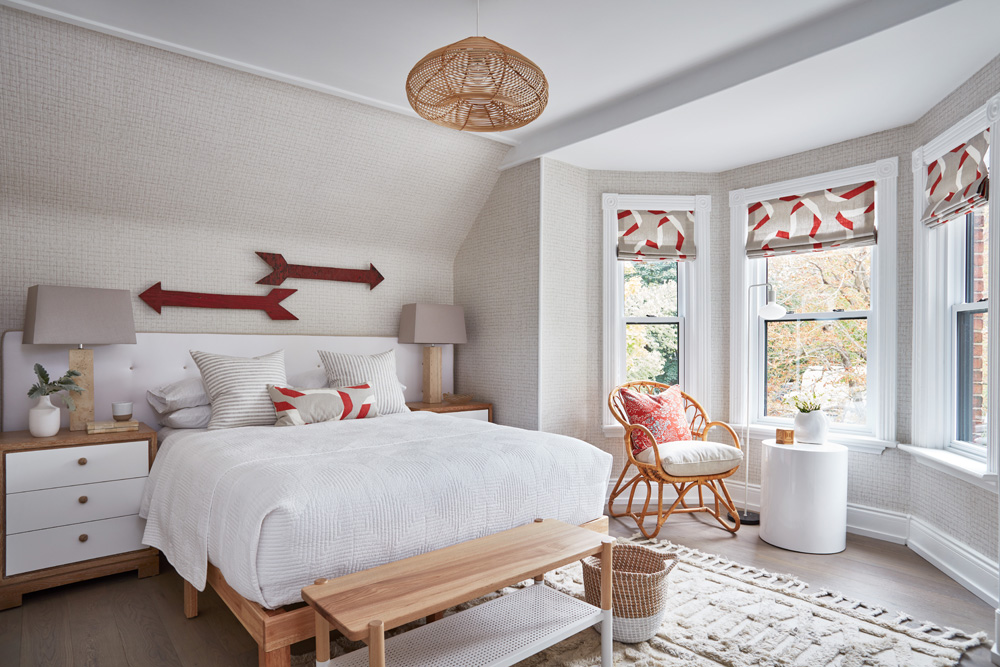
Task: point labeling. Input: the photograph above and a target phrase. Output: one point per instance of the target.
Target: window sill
(956, 465)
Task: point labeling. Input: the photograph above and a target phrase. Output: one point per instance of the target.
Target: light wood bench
(497, 633)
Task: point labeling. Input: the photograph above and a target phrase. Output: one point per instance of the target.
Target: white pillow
(691, 458)
(196, 417)
(378, 370)
(186, 393)
(238, 387)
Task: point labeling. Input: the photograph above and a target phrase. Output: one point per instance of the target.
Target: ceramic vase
(43, 419)
(811, 427)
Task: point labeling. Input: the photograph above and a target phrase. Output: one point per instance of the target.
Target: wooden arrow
(283, 270)
(157, 297)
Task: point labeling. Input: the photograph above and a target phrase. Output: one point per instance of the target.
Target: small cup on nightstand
(122, 412)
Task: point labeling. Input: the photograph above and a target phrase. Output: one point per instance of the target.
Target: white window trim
(934, 350)
(694, 280)
(881, 323)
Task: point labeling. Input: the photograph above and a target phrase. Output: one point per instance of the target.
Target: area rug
(725, 613)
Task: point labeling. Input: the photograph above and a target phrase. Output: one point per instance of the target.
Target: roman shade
(655, 235)
(840, 217)
(957, 182)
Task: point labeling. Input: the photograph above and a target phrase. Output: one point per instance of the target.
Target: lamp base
(82, 360)
(432, 374)
(747, 517)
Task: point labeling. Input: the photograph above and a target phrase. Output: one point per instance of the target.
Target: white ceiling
(595, 53)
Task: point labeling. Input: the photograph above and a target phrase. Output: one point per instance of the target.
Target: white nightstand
(803, 497)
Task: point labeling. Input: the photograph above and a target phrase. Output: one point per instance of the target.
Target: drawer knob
(83, 500)
(83, 538)
(82, 461)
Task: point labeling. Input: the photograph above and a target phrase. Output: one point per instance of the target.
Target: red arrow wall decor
(283, 270)
(157, 297)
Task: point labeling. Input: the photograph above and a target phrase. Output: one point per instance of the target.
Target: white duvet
(276, 508)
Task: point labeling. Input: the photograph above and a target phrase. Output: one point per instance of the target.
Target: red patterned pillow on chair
(663, 414)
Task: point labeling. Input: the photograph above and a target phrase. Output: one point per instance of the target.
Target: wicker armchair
(649, 473)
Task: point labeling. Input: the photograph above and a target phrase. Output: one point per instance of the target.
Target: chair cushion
(663, 414)
(694, 458)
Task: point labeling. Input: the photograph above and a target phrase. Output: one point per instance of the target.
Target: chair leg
(620, 489)
(728, 503)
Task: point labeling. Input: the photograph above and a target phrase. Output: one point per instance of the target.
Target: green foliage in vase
(45, 386)
(805, 404)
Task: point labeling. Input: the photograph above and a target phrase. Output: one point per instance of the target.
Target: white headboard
(125, 372)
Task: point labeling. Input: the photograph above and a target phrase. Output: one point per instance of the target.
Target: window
(653, 321)
(820, 348)
(970, 313)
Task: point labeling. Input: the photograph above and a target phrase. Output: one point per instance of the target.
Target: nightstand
(469, 410)
(69, 508)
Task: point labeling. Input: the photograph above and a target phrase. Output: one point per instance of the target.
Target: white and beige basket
(638, 592)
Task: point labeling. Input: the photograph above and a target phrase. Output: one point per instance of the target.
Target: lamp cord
(477, 18)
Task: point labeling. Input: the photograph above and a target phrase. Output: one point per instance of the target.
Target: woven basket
(638, 590)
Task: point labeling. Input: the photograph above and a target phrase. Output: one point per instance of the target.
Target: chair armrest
(732, 433)
(628, 443)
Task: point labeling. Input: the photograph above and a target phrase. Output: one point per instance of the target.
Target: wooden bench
(497, 633)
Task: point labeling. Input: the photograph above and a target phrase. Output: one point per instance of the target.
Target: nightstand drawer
(40, 549)
(482, 415)
(48, 508)
(66, 466)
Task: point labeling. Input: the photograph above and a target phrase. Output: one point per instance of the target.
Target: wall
(496, 278)
(124, 165)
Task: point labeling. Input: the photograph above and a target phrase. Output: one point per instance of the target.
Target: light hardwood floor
(123, 621)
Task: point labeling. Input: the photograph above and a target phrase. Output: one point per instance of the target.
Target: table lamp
(432, 324)
(57, 315)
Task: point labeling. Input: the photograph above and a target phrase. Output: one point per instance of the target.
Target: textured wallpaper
(124, 165)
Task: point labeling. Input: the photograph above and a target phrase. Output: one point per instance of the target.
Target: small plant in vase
(43, 419)
(811, 424)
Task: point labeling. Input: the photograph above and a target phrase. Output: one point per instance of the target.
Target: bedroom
(168, 144)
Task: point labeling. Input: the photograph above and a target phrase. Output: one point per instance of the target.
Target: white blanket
(276, 508)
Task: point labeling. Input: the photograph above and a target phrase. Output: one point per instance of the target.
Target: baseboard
(971, 569)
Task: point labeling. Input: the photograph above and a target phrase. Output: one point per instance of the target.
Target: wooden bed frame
(275, 630)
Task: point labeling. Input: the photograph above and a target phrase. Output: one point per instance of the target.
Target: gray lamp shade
(432, 323)
(78, 316)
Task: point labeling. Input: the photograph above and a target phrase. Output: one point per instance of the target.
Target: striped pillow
(378, 370)
(298, 407)
(238, 387)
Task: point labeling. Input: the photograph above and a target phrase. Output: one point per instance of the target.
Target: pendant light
(477, 85)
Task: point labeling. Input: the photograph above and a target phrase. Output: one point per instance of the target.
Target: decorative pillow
(377, 370)
(663, 414)
(196, 417)
(691, 458)
(298, 407)
(238, 387)
(186, 393)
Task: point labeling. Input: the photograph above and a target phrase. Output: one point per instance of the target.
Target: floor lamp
(771, 310)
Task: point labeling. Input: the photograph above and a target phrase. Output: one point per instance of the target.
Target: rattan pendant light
(477, 85)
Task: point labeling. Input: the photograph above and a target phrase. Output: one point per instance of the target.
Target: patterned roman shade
(834, 218)
(957, 181)
(655, 235)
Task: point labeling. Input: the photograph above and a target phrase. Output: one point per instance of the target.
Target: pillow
(238, 387)
(663, 414)
(186, 393)
(377, 370)
(692, 458)
(196, 417)
(298, 407)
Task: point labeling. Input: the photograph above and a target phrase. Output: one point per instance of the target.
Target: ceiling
(638, 85)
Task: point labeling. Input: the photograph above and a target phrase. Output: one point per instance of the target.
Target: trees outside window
(652, 321)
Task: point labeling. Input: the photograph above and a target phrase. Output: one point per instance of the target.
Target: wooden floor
(126, 621)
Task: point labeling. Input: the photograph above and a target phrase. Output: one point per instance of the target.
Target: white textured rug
(725, 613)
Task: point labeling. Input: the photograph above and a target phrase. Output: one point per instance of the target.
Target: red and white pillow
(663, 414)
(298, 407)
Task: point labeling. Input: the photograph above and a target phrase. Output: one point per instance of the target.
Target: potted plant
(43, 419)
(811, 424)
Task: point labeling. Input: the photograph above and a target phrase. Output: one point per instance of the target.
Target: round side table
(803, 497)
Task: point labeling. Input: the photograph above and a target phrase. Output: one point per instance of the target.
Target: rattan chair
(649, 474)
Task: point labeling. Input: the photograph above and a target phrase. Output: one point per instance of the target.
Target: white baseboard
(973, 570)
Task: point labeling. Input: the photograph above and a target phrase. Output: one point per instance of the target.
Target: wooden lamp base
(82, 360)
(432, 374)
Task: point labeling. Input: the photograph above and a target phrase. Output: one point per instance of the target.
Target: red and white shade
(645, 236)
(957, 181)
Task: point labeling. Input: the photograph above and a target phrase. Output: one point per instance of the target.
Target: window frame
(747, 328)
(939, 294)
(693, 284)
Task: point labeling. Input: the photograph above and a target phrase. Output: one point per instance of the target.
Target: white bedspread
(276, 508)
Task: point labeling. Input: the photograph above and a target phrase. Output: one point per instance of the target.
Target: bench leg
(606, 631)
(279, 657)
(190, 600)
(376, 644)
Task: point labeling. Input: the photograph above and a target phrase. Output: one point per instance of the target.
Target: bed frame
(275, 630)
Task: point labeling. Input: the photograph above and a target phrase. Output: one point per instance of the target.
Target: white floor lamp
(771, 310)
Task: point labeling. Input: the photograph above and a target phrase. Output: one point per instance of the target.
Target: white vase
(43, 419)
(811, 427)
